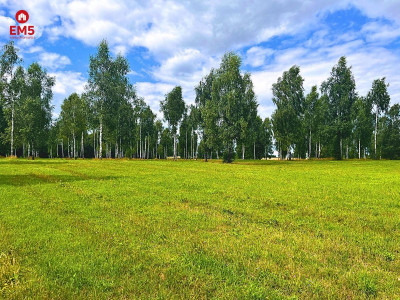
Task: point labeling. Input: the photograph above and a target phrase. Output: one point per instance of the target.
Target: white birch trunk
(94, 144)
(316, 150)
(319, 149)
(341, 150)
(101, 139)
(82, 147)
(309, 146)
(175, 146)
(74, 145)
(376, 129)
(12, 125)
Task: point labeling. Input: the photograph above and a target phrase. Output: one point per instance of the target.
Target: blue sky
(170, 43)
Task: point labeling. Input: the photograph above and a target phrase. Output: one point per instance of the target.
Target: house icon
(21, 17)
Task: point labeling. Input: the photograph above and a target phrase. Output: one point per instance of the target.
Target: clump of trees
(338, 121)
(109, 120)
(25, 108)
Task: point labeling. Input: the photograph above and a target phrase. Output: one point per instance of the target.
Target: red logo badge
(22, 16)
(22, 31)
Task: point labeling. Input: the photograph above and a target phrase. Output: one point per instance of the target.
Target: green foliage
(10, 89)
(379, 97)
(110, 120)
(362, 123)
(73, 120)
(389, 137)
(340, 90)
(173, 108)
(232, 107)
(288, 97)
(110, 95)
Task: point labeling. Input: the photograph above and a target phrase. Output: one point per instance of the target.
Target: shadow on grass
(5, 161)
(33, 179)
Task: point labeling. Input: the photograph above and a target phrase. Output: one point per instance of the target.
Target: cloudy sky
(172, 43)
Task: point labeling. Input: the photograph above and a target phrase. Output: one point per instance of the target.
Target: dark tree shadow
(31, 162)
(33, 179)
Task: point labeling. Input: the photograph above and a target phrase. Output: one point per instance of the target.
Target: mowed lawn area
(189, 229)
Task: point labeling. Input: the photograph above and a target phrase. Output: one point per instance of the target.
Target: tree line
(109, 119)
(337, 122)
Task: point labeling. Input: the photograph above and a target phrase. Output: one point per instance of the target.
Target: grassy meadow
(132, 229)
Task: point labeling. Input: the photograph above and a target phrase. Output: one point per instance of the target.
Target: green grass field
(189, 229)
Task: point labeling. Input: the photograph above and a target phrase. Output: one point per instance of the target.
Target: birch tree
(9, 59)
(340, 90)
(233, 100)
(99, 86)
(73, 120)
(389, 136)
(288, 96)
(380, 99)
(362, 124)
(204, 112)
(310, 116)
(36, 110)
(173, 108)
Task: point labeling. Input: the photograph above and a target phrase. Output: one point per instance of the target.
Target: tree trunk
(229, 158)
(101, 139)
(309, 145)
(148, 146)
(243, 149)
(74, 151)
(376, 129)
(254, 150)
(316, 150)
(319, 149)
(82, 147)
(347, 151)
(175, 146)
(359, 149)
(12, 125)
(140, 139)
(94, 144)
